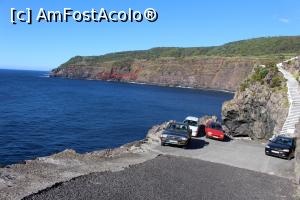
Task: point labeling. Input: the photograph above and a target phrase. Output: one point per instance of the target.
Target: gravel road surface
(171, 177)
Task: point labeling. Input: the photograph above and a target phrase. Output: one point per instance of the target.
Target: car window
(284, 141)
(191, 123)
(215, 126)
(178, 127)
(218, 127)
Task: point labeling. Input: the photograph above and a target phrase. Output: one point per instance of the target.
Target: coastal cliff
(220, 67)
(205, 72)
(260, 105)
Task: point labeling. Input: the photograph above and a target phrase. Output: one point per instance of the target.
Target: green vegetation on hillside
(265, 75)
(260, 46)
(271, 47)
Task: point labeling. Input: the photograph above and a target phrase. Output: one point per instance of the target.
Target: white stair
(294, 100)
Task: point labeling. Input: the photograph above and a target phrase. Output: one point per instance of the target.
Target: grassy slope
(267, 47)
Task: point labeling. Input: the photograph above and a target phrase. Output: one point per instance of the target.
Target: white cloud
(284, 20)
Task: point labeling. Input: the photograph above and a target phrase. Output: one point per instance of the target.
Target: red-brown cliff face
(222, 73)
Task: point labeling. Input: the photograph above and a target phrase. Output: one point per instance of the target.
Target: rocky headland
(260, 105)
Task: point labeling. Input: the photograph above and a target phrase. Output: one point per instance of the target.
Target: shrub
(296, 75)
(259, 74)
(244, 85)
(276, 82)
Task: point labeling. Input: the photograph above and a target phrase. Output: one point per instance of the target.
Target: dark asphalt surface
(168, 177)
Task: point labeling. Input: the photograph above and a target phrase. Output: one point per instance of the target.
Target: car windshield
(282, 140)
(178, 127)
(216, 126)
(191, 123)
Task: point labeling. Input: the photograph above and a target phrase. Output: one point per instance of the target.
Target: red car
(214, 130)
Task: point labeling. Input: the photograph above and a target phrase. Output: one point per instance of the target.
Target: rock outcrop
(153, 135)
(222, 73)
(259, 107)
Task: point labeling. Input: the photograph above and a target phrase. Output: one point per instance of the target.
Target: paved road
(238, 153)
(168, 177)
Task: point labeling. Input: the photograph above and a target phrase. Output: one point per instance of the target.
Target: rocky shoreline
(20, 180)
(153, 84)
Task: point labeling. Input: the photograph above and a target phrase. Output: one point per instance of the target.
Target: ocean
(41, 115)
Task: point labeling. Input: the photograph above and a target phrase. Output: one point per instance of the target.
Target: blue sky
(185, 23)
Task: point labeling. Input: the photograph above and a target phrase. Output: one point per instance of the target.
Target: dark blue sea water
(41, 116)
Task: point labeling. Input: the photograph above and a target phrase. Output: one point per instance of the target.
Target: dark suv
(281, 146)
